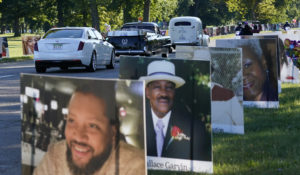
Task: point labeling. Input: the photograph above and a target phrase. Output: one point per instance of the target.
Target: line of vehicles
(84, 46)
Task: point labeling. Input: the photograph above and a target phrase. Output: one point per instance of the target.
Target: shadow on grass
(15, 59)
(270, 144)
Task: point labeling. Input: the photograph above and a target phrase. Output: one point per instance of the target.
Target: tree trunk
(22, 28)
(3, 26)
(60, 13)
(146, 10)
(84, 16)
(16, 28)
(3, 29)
(94, 14)
(196, 8)
(126, 15)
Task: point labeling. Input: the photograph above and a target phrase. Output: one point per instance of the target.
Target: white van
(187, 30)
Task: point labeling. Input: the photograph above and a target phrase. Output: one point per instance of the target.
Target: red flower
(175, 131)
(177, 134)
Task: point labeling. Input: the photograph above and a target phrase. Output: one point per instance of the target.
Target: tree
(94, 14)
(163, 10)
(13, 10)
(184, 7)
(211, 12)
(125, 7)
(146, 15)
(293, 10)
(246, 9)
(266, 11)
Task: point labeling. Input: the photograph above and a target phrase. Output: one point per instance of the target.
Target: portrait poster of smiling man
(82, 126)
(260, 82)
(178, 125)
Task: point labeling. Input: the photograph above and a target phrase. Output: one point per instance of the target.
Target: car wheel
(93, 65)
(171, 49)
(165, 55)
(112, 61)
(39, 68)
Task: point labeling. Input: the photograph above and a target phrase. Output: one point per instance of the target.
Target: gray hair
(253, 44)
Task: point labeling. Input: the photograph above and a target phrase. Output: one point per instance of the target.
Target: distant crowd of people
(245, 29)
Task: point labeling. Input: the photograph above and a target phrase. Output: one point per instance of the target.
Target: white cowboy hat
(162, 70)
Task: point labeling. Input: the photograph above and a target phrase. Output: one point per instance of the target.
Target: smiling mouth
(80, 151)
(247, 85)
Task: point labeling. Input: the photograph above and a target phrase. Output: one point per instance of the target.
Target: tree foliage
(293, 11)
(266, 11)
(36, 15)
(211, 12)
(163, 10)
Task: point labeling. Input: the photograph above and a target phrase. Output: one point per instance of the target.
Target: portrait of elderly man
(92, 145)
(171, 133)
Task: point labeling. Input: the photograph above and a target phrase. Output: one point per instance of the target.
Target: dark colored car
(139, 38)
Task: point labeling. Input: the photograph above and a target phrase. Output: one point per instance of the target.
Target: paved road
(10, 122)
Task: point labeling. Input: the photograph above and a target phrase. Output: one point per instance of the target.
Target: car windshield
(132, 27)
(64, 33)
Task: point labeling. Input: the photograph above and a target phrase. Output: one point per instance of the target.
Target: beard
(95, 163)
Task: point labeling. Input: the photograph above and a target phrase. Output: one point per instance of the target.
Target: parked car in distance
(73, 47)
(139, 38)
(187, 30)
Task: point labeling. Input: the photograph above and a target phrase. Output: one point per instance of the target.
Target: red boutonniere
(177, 134)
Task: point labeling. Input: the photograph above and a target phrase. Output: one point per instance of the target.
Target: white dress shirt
(165, 120)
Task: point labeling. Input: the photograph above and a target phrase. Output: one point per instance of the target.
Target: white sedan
(72, 47)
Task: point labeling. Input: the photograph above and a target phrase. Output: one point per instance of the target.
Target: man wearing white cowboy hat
(168, 130)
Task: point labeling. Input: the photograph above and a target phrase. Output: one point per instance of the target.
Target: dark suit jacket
(197, 148)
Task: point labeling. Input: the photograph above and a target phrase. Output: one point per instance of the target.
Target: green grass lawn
(270, 146)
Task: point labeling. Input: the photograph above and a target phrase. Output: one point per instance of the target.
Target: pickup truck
(139, 38)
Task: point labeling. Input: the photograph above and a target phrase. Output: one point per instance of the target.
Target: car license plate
(57, 46)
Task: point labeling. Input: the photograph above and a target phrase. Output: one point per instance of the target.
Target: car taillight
(36, 47)
(81, 44)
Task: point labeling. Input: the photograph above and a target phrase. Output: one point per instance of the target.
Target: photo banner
(4, 47)
(281, 57)
(28, 43)
(66, 120)
(227, 112)
(184, 110)
(279, 43)
(289, 72)
(259, 61)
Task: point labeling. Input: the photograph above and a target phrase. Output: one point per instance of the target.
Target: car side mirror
(89, 37)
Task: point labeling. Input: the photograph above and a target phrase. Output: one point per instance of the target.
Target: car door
(96, 45)
(105, 47)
